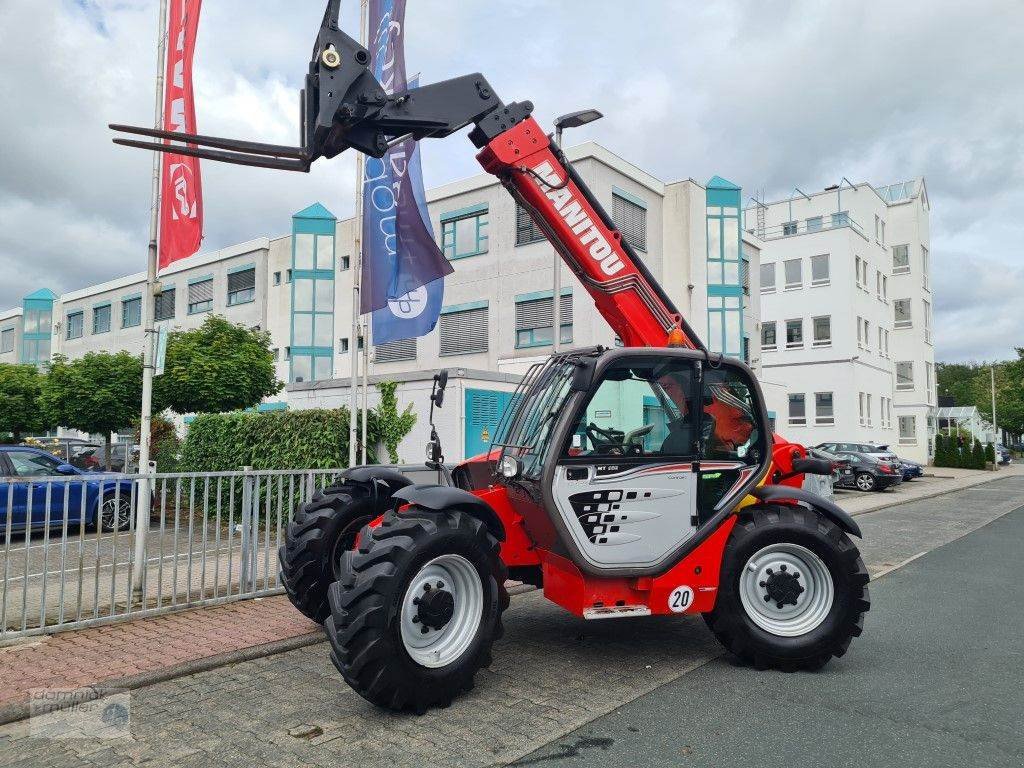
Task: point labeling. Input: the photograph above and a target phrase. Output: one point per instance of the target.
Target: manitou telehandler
(699, 510)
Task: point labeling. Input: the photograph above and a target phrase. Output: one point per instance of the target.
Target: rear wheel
(317, 536)
(417, 608)
(865, 481)
(115, 513)
(793, 589)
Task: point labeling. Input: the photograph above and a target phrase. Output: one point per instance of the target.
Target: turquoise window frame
(235, 302)
(80, 315)
(199, 307)
(33, 342)
(95, 317)
(319, 228)
(125, 301)
(723, 205)
(449, 225)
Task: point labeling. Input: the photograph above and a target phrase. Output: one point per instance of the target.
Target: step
(616, 611)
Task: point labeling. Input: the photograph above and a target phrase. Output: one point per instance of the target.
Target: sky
(768, 95)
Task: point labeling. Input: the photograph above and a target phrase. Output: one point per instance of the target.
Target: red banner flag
(181, 196)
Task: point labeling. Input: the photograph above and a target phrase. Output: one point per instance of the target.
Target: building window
(882, 239)
(928, 381)
(867, 409)
(769, 342)
(881, 345)
(860, 408)
(200, 296)
(630, 218)
(76, 326)
(905, 375)
(908, 430)
(822, 331)
(131, 312)
(819, 269)
(797, 410)
(900, 259)
(6, 340)
(902, 313)
(464, 233)
(867, 334)
(924, 267)
(794, 273)
(768, 278)
(789, 228)
(841, 219)
(877, 221)
(101, 318)
(527, 230)
(287, 275)
(745, 275)
(794, 334)
(163, 306)
(725, 325)
(242, 287)
(463, 331)
(814, 224)
(823, 409)
(534, 321)
(927, 321)
(277, 278)
(885, 288)
(345, 263)
(395, 351)
(343, 346)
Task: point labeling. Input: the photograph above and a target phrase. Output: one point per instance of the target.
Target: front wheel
(417, 608)
(115, 513)
(793, 589)
(865, 481)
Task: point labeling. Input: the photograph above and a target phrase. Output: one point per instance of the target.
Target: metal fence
(72, 557)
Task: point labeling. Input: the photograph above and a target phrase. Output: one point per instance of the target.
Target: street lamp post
(571, 120)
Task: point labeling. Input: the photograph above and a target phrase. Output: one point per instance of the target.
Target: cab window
(640, 408)
(731, 429)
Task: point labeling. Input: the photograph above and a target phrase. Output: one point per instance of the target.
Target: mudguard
(442, 497)
(780, 493)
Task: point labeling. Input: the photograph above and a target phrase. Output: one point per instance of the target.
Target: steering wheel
(607, 441)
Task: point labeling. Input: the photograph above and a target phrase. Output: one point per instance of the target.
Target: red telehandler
(699, 511)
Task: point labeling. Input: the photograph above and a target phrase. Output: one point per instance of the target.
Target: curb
(930, 495)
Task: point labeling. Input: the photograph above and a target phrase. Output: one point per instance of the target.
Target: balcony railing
(803, 227)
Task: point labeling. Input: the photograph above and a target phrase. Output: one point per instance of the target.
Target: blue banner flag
(402, 267)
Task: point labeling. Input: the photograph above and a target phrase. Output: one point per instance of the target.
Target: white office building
(497, 313)
(846, 315)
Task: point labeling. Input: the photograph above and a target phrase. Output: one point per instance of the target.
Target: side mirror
(440, 382)
(66, 469)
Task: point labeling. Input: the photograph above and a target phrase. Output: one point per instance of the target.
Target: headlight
(510, 466)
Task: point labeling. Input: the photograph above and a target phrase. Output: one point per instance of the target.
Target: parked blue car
(24, 472)
(911, 469)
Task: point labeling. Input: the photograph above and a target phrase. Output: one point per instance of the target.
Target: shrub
(977, 456)
(990, 453)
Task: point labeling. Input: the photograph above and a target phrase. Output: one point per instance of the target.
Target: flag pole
(353, 347)
(142, 507)
(367, 330)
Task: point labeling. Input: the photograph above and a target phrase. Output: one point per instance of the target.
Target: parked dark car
(911, 469)
(94, 457)
(1002, 454)
(867, 472)
(25, 492)
(878, 451)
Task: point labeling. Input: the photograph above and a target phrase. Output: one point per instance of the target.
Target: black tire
(871, 479)
(123, 522)
(318, 534)
(763, 526)
(364, 627)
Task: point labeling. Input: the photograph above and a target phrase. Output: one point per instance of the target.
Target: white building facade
(847, 349)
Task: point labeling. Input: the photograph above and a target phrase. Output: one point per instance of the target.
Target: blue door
(484, 409)
(32, 492)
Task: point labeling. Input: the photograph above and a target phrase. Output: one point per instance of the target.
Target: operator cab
(632, 451)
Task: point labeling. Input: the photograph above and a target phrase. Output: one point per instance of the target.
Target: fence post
(143, 511)
(247, 568)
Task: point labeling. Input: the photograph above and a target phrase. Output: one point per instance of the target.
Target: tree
(98, 393)
(217, 367)
(970, 384)
(391, 425)
(19, 400)
(977, 460)
(165, 445)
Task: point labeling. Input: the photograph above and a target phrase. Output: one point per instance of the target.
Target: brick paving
(116, 651)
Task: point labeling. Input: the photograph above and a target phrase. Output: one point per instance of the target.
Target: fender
(780, 493)
(442, 497)
(374, 474)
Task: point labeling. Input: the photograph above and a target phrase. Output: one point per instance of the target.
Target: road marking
(899, 565)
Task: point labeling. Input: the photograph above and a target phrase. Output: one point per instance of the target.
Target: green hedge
(313, 439)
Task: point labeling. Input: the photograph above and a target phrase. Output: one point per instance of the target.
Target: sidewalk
(145, 651)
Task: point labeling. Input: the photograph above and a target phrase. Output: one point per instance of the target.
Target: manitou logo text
(579, 222)
(185, 204)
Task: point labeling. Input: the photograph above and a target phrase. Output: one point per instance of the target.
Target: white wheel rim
(810, 573)
(864, 482)
(441, 646)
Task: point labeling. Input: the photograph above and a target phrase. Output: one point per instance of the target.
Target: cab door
(625, 485)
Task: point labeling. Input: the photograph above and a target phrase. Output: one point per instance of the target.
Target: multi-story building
(497, 316)
(846, 305)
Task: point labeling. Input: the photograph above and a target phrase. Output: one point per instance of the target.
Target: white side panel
(627, 517)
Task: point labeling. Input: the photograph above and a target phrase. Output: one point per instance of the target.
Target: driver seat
(679, 441)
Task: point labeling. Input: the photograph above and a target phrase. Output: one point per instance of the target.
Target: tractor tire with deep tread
(317, 535)
(782, 528)
(365, 628)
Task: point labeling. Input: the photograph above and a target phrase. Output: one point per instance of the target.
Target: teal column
(37, 327)
(312, 289)
(725, 273)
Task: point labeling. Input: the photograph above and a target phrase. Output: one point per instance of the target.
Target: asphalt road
(945, 639)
